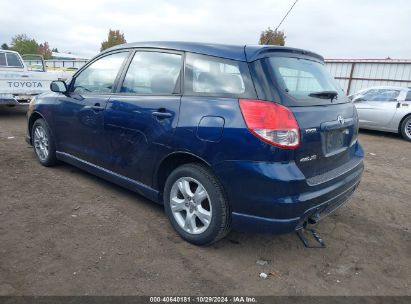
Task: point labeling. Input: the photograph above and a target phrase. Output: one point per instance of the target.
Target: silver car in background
(385, 108)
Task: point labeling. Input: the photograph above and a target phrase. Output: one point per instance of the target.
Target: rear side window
(153, 73)
(3, 59)
(13, 60)
(213, 76)
(300, 78)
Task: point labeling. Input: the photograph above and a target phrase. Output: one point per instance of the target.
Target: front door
(377, 107)
(142, 116)
(79, 117)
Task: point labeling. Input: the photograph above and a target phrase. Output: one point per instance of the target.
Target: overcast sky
(335, 29)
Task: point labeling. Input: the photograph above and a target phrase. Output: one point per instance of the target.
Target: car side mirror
(58, 86)
(358, 100)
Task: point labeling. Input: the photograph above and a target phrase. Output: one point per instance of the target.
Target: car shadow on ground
(7, 111)
(235, 239)
(381, 134)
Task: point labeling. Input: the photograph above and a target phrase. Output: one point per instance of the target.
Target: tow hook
(314, 219)
(301, 233)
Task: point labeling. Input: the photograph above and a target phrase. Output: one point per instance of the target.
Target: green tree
(272, 37)
(55, 50)
(24, 45)
(44, 50)
(5, 46)
(114, 38)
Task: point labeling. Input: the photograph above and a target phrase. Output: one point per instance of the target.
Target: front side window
(13, 60)
(3, 61)
(99, 77)
(377, 95)
(213, 76)
(153, 73)
(386, 95)
(408, 97)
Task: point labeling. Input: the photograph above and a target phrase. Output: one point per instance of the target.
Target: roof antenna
(292, 6)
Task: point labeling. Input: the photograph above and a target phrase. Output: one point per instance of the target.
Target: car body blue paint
(210, 128)
(136, 138)
(266, 186)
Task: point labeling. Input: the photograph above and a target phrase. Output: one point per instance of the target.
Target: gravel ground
(66, 232)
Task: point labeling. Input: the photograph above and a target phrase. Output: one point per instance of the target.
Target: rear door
(377, 107)
(141, 117)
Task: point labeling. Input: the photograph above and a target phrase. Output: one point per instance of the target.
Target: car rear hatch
(327, 135)
(326, 118)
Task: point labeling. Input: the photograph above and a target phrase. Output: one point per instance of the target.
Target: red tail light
(271, 122)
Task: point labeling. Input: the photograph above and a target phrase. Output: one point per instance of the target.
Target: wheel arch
(402, 120)
(33, 117)
(171, 162)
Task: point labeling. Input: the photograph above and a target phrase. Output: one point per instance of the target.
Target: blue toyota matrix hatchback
(256, 138)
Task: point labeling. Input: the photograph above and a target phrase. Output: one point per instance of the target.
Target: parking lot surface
(66, 232)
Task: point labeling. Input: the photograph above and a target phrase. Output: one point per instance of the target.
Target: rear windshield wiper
(324, 95)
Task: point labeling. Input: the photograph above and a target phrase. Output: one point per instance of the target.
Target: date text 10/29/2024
(203, 299)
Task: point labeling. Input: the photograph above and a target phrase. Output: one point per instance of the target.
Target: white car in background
(20, 82)
(385, 108)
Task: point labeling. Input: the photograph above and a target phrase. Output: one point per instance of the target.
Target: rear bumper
(276, 198)
(246, 222)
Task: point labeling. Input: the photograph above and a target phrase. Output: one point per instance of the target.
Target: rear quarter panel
(403, 110)
(236, 142)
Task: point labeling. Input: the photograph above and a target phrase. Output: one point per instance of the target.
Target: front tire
(195, 204)
(406, 128)
(43, 143)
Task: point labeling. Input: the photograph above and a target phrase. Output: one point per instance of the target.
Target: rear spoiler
(256, 52)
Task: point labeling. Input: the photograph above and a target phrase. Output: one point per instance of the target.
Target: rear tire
(195, 204)
(43, 143)
(406, 128)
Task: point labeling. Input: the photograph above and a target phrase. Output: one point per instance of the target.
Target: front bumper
(15, 100)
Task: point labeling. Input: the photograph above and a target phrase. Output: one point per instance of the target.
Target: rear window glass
(302, 77)
(213, 76)
(13, 60)
(3, 59)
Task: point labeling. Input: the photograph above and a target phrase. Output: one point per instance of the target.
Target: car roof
(236, 52)
(384, 87)
(9, 51)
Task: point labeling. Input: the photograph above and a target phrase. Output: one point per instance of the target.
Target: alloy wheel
(408, 128)
(190, 205)
(41, 143)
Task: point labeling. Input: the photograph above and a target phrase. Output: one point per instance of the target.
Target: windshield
(306, 80)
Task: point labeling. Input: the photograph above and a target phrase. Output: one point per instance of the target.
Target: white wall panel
(368, 73)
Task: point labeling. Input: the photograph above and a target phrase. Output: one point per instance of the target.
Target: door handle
(160, 114)
(96, 107)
